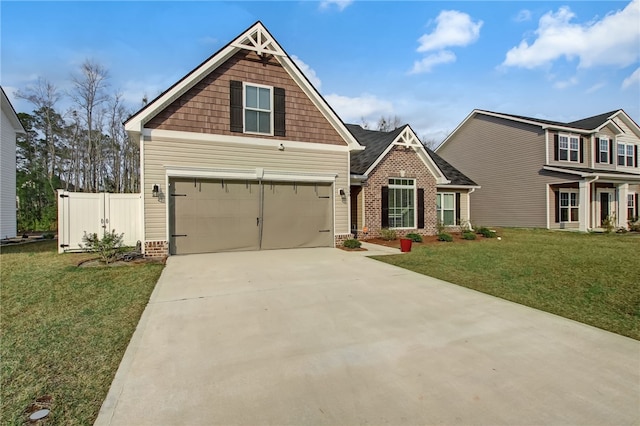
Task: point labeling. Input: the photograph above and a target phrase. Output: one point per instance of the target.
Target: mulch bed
(426, 240)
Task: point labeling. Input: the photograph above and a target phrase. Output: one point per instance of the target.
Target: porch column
(623, 191)
(584, 205)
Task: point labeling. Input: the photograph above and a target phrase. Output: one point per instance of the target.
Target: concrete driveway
(327, 337)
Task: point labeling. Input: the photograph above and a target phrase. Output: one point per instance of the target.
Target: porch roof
(586, 172)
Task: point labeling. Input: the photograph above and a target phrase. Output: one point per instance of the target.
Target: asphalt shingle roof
(376, 142)
(588, 123)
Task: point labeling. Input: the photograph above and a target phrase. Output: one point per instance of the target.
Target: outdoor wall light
(281, 147)
(155, 190)
(341, 192)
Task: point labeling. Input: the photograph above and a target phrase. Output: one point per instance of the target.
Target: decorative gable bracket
(407, 138)
(259, 41)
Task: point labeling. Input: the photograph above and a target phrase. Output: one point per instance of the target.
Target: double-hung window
(446, 208)
(625, 154)
(568, 148)
(604, 150)
(402, 203)
(631, 206)
(569, 207)
(258, 108)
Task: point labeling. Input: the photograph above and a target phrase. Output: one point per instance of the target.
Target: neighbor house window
(402, 203)
(568, 148)
(446, 208)
(257, 109)
(604, 150)
(569, 207)
(631, 206)
(625, 155)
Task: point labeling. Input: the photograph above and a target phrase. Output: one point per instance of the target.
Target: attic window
(257, 109)
(258, 106)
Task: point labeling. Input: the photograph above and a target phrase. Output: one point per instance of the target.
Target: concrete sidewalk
(328, 337)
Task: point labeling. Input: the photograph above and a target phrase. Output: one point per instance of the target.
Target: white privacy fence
(80, 212)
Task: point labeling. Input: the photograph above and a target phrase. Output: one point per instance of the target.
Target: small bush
(468, 235)
(609, 223)
(440, 227)
(48, 235)
(388, 234)
(486, 232)
(107, 247)
(416, 238)
(443, 236)
(634, 226)
(351, 243)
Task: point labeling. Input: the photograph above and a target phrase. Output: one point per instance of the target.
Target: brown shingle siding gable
(205, 107)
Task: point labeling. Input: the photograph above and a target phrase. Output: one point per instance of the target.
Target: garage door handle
(179, 235)
(257, 221)
(325, 230)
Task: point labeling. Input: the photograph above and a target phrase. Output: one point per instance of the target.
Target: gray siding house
(548, 174)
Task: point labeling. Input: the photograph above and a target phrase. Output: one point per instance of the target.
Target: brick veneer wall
(156, 249)
(398, 159)
(340, 238)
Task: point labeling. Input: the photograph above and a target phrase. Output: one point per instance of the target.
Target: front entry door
(607, 204)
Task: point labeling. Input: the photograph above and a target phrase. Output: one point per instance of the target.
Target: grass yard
(591, 278)
(64, 330)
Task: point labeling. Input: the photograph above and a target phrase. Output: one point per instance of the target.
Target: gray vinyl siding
(505, 158)
(587, 151)
(160, 154)
(7, 179)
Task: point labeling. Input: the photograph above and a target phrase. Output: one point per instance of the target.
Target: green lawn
(591, 278)
(64, 329)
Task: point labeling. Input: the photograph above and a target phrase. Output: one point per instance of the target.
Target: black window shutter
(278, 112)
(235, 105)
(635, 156)
(384, 207)
(597, 150)
(457, 208)
(420, 208)
(582, 150)
(611, 153)
(555, 147)
(557, 194)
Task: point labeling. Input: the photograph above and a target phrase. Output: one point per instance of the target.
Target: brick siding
(156, 249)
(406, 159)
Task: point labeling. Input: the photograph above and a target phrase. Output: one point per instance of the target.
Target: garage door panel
(215, 215)
(297, 215)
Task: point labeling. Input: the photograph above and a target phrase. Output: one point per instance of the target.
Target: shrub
(468, 235)
(351, 243)
(634, 226)
(416, 238)
(443, 236)
(486, 232)
(388, 234)
(440, 227)
(107, 247)
(609, 223)
(48, 235)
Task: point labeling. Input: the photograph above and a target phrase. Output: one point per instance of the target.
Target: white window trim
(415, 200)
(440, 218)
(244, 108)
(606, 150)
(625, 146)
(569, 136)
(631, 204)
(569, 207)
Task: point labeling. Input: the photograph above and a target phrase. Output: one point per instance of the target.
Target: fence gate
(80, 212)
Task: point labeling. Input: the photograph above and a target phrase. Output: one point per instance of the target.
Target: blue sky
(428, 62)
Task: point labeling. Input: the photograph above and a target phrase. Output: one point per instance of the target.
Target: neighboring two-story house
(548, 174)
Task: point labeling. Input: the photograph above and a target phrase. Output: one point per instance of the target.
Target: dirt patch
(352, 249)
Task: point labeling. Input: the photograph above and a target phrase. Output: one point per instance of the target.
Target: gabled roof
(257, 39)
(451, 173)
(584, 126)
(7, 108)
(378, 144)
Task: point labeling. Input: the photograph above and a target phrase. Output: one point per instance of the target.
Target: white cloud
(353, 109)
(453, 29)
(341, 4)
(567, 83)
(595, 88)
(612, 40)
(523, 16)
(426, 64)
(632, 80)
(308, 72)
